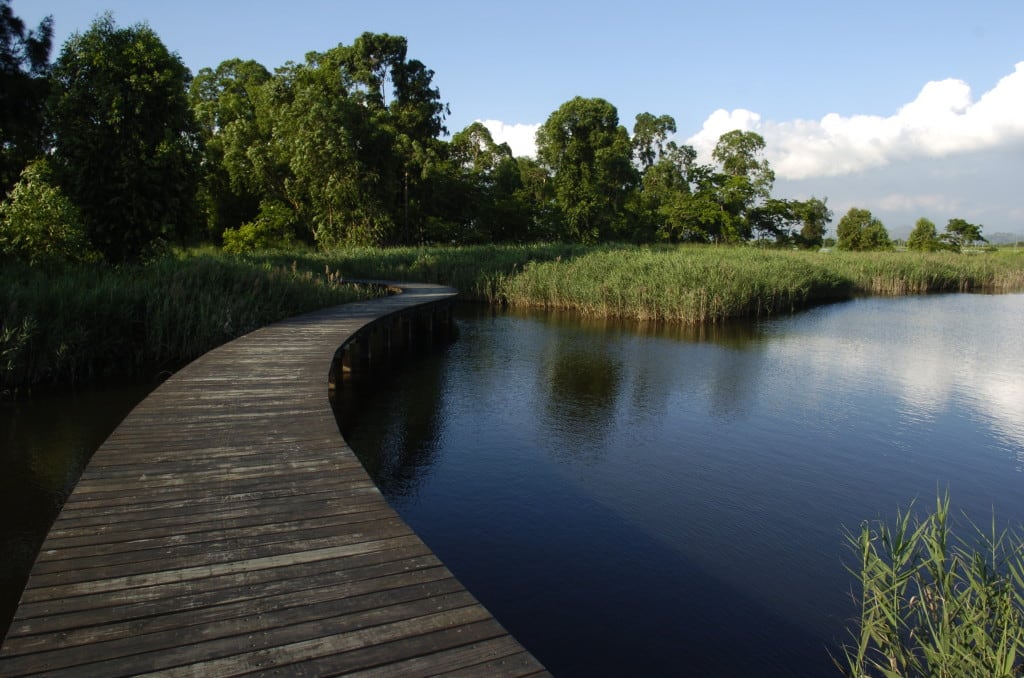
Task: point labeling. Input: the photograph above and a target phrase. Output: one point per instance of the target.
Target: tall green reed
(932, 603)
(90, 323)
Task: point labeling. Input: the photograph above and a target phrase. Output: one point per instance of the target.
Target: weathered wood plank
(65, 613)
(225, 527)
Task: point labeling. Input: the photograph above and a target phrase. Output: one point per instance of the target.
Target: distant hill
(1003, 238)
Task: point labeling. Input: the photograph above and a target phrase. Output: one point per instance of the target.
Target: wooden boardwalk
(225, 528)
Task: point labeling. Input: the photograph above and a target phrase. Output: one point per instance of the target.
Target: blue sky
(908, 109)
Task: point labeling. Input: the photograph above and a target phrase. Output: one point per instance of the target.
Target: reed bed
(87, 324)
(890, 274)
(478, 271)
(684, 284)
(691, 285)
(94, 323)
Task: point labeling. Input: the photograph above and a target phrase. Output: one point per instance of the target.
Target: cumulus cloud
(943, 119)
(520, 137)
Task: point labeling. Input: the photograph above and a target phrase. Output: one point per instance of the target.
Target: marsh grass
(683, 284)
(85, 324)
(90, 323)
(934, 604)
(478, 271)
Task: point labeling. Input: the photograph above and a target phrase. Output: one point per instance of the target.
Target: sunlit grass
(686, 284)
(933, 603)
(88, 323)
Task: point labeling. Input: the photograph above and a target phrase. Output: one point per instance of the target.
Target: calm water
(651, 503)
(45, 444)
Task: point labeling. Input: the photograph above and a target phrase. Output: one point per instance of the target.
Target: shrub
(38, 224)
(273, 228)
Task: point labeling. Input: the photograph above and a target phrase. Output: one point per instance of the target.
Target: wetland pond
(630, 500)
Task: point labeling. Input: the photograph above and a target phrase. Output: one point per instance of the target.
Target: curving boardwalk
(225, 528)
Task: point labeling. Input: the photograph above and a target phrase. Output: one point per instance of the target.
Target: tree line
(116, 150)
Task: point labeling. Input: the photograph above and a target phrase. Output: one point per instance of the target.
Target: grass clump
(91, 323)
(683, 284)
(932, 604)
(691, 285)
(83, 322)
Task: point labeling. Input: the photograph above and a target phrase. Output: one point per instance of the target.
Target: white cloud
(942, 120)
(720, 122)
(521, 137)
(933, 203)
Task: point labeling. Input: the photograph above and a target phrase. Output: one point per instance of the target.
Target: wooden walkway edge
(225, 528)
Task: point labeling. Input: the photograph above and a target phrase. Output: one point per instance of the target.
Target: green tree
(744, 182)
(960, 233)
(775, 219)
(780, 220)
(407, 118)
(24, 67)
(664, 185)
(589, 155)
(227, 103)
(38, 224)
(924, 237)
(859, 230)
(353, 142)
(814, 216)
(491, 186)
(740, 155)
(650, 135)
(126, 148)
(536, 197)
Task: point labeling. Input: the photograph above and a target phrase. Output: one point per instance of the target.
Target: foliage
(814, 216)
(924, 237)
(935, 604)
(650, 137)
(226, 102)
(859, 230)
(273, 228)
(125, 140)
(740, 155)
(589, 155)
(90, 323)
(24, 70)
(348, 140)
(38, 224)
(489, 187)
(960, 233)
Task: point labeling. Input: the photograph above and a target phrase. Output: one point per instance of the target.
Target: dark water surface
(45, 444)
(659, 502)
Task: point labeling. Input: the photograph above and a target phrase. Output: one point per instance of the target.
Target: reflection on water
(649, 500)
(401, 459)
(45, 444)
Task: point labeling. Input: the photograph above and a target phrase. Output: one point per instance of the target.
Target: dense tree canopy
(859, 230)
(24, 67)
(126, 149)
(589, 155)
(226, 101)
(349, 147)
